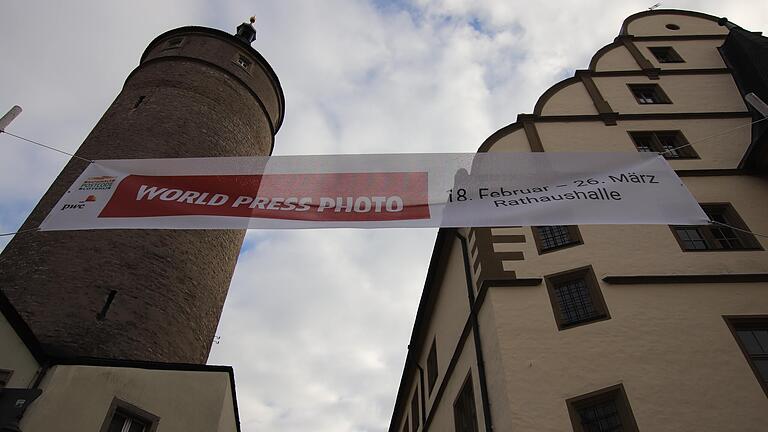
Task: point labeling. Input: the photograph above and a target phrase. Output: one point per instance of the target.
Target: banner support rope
(18, 232)
(715, 135)
(737, 229)
(45, 146)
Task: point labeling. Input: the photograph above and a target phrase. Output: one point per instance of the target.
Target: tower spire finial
(246, 32)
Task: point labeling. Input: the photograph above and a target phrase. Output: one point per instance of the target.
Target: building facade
(614, 328)
(109, 330)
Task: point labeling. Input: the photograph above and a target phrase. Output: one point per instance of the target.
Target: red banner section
(329, 197)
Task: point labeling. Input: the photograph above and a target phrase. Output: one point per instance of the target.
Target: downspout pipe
(476, 334)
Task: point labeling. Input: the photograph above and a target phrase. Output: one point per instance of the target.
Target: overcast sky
(317, 322)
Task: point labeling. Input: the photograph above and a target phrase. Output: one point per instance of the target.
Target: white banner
(377, 191)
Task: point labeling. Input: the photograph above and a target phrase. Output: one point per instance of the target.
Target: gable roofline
(629, 19)
(554, 88)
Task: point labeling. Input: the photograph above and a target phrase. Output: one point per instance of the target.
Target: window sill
(570, 325)
(753, 249)
(561, 247)
(686, 278)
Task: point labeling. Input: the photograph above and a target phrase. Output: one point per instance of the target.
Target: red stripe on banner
(312, 197)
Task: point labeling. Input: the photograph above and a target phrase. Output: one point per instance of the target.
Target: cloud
(317, 322)
(319, 343)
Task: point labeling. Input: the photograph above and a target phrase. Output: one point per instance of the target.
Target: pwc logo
(80, 204)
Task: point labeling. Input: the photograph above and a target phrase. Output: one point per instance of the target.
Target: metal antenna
(757, 103)
(9, 117)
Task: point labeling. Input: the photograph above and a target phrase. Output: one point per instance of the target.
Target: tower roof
(246, 32)
(236, 40)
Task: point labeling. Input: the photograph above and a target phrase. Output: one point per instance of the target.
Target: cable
(715, 135)
(45, 146)
(738, 229)
(21, 231)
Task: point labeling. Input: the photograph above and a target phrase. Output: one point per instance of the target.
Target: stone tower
(152, 295)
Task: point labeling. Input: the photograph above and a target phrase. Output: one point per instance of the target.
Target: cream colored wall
(615, 59)
(654, 25)
(572, 99)
(667, 344)
(448, 319)
(76, 398)
(227, 421)
(495, 375)
(513, 142)
(688, 93)
(664, 342)
(652, 249)
(443, 420)
(15, 356)
(722, 151)
(698, 54)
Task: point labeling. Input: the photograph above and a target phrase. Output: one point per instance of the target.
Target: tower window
(174, 43)
(672, 26)
(432, 366)
(667, 143)
(139, 101)
(714, 236)
(647, 94)
(605, 410)
(576, 298)
(554, 237)
(5, 377)
(464, 410)
(243, 62)
(752, 336)
(666, 54)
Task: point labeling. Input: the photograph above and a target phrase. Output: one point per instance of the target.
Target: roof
(231, 39)
(629, 19)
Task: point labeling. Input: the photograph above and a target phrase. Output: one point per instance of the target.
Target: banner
(377, 191)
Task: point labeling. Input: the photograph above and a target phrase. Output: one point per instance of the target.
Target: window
(752, 336)
(173, 43)
(464, 412)
(605, 410)
(5, 377)
(576, 298)
(432, 366)
(553, 237)
(243, 62)
(714, 236)
(125, 417)
(672, 26)
(666, 143)
(415, 411)
(666, 54)
(646, 94)
(405, 425)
